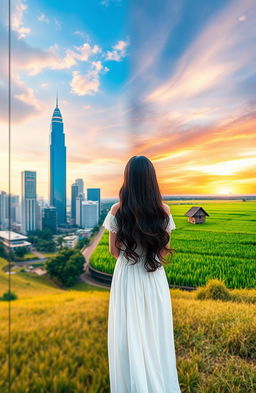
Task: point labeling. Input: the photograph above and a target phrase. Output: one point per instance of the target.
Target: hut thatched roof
(195, 211)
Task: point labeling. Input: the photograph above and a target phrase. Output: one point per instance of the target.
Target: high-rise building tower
(15, 209)
(74, 195)
(80, 184)
(58, 166)
(77, 192)
(28, 201)
(89, 214)
(49, 218)
(4, 204)
(93, 194)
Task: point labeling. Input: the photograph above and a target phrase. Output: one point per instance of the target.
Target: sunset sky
(172, 80)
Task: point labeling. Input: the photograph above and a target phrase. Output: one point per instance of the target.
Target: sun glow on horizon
(225, 190)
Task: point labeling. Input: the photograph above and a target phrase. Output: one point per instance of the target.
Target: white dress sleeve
(110, 223)
(171, 224)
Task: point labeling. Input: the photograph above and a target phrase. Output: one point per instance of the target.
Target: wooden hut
(196, 215)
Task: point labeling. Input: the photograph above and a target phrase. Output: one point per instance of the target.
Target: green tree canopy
(66, 266)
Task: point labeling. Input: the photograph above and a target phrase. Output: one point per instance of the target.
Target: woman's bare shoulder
(166, 208)
(114, 208)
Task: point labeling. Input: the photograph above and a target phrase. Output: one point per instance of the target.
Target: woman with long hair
(141, 349)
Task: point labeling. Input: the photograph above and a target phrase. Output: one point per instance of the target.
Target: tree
(42, 240)
(45, 245)
(82, 242)
(66, 266)
(45, 234)
(20, 252)
(72, 269)
(60, 240)
(95, 229)
(8, 296)
(3, 252)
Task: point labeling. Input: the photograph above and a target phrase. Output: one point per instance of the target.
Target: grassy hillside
(59, 343)
(26, 285)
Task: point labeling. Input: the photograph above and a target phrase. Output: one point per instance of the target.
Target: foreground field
(59, 344)
(224, 247)
(59, 340)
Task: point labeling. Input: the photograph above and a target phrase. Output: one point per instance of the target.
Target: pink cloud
(18, 9)
(118, 51)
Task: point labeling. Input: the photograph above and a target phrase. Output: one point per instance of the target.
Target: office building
(15, 209)
(58, 166)
(89, 214)
(79, 201)
(83, 232)
(42, 202)
(80, 184)
(4, 203)
(49, 220)
(28, 201)
(70, 241)
(12, 240)
(93, 194)
(74, 195)
(39, 216)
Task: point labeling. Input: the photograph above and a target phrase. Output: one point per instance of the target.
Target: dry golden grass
(59, 340)
(59, 344)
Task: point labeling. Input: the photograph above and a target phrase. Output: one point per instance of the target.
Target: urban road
(87, 252)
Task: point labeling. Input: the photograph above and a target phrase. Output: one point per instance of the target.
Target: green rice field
(223, 247)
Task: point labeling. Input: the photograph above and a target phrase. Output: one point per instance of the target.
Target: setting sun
(225, 190)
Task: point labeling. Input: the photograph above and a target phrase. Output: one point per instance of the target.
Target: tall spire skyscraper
(58, 166)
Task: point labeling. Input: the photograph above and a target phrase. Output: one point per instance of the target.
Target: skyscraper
(49, 218)
(15, 208)
(39, 216)
(4, 204)
(74, 195)
(77, 191)
(93, 194)
(80, 184)
(58, 166)
(28, 201)
(78, 211)
(90, 214)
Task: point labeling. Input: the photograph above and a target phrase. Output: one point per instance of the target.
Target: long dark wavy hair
(141, 215)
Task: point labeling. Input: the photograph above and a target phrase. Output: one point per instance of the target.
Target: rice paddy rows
(224, 247)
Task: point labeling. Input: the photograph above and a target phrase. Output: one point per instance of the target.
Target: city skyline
(180, 93)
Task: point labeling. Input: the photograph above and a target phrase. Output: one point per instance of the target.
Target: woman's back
(111, 224)
(139, 247)
(141, 349)
(140, 329)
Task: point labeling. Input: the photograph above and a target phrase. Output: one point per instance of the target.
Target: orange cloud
(204, 160)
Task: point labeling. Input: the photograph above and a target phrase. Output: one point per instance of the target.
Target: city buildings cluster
(30, 213)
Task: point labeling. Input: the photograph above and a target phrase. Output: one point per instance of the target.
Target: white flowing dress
(141, 350)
